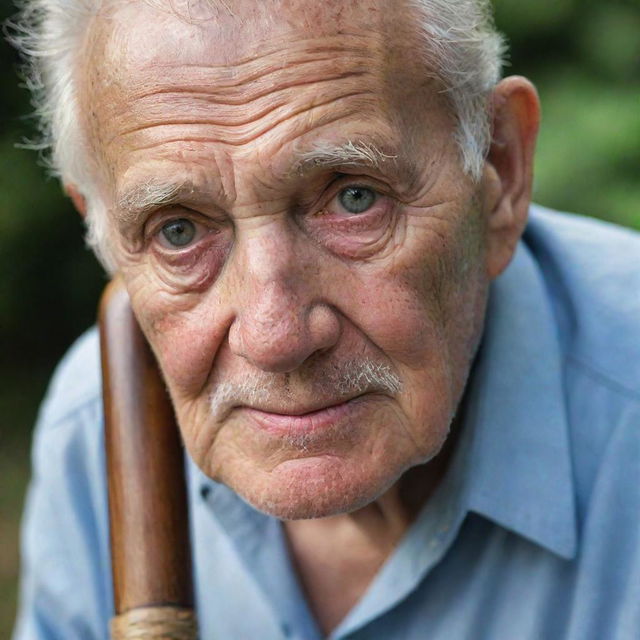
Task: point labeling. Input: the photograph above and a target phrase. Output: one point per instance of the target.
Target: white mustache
(332, 384)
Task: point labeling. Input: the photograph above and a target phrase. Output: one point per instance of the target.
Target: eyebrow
(349, 154)
(135, 203)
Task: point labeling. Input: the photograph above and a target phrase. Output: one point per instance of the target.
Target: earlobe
(508, 175)
(79, 201)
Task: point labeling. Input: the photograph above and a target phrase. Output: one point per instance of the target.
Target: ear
(79, 201)
(508, 174)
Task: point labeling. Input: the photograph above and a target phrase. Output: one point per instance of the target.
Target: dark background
(583, 56)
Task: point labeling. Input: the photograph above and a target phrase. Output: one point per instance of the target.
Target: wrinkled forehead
(237, 30)
(133, 35)
(230, 62)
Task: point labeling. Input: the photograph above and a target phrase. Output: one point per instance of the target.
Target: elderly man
(405, 420)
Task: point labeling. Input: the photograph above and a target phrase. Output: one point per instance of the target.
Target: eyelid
(156, 220)
(347, 181)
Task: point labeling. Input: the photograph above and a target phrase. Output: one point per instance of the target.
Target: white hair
(460, 44)
(353, 153)
(466, 51)
(48, 33)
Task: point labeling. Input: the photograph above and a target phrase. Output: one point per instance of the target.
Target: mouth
(302, 420)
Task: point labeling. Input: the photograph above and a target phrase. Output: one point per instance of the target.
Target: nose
(281, 317)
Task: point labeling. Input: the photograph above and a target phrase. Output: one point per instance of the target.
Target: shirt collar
(519, 471)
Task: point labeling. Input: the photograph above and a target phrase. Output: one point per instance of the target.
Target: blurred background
(583, 55)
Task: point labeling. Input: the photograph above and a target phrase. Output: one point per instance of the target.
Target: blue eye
(179, 233)
(357, 199)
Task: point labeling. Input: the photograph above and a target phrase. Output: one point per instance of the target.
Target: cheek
(398, 311)
(425, 314)
(185, 353)
(185, 333)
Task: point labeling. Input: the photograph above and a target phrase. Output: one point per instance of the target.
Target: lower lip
(287, 425)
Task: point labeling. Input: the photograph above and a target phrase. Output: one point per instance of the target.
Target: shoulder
(68, 448)
(65, 559)
(67, 452)
(592, 273)
(76, 383)
(591, 270)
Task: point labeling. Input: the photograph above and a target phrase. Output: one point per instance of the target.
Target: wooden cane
(150, 550)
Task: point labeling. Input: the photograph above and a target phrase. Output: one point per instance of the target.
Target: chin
(308, 488)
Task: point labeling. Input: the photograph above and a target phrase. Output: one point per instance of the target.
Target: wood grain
(151, 558)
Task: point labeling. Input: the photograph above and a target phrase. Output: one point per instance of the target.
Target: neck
(385, 520)
(338, 557)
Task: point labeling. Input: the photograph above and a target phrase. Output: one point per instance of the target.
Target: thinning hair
(460, 43)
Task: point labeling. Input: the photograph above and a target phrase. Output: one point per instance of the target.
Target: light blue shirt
(534, 534)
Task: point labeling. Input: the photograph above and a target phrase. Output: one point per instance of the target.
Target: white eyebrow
(135, 203)
(349, 154)
(148, 196)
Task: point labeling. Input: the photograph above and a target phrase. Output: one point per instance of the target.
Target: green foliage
(584, 57)
(589, 153)
(47, 276)
(50, 282)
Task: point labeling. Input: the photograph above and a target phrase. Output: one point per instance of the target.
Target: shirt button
(286, 630)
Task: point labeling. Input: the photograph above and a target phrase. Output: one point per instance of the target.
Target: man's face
(299, 242)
